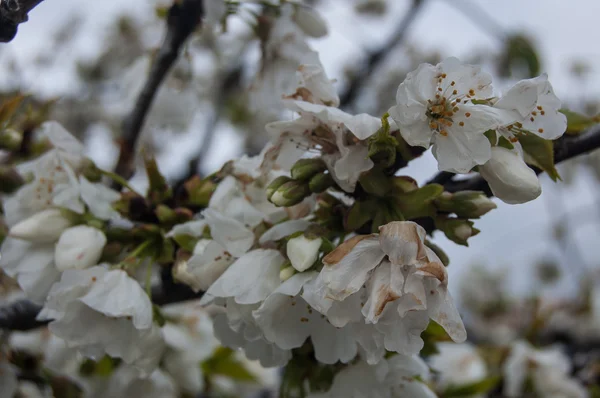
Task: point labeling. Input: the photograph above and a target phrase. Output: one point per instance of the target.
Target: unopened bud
(90, 171)
(309, 21)
(275, 184)
(199, 190)
(79, 247)
(286, 273)
(10, 139)
(304, 169)
(289, 194)
(44, 226)
(321, 182)
(10, 179)
(465, 204)
(303, 252)
(457, 230)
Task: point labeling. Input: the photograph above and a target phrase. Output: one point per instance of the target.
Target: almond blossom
(438, 105)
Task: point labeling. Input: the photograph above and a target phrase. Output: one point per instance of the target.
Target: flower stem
(117, 178)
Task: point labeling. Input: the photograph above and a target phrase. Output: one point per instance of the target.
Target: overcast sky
(512, 236)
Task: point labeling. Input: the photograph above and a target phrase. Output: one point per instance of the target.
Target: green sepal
(541, 153)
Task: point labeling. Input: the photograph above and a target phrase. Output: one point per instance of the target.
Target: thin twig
(375, 58)
(183, 18)
(13, 13)
(565, 148)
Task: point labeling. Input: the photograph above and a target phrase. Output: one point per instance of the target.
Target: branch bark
(13, 13)
(183, 18)
(375, 58)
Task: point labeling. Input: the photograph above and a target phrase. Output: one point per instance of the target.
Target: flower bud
(509, 177)
(275, 184)
(79, 247)
(320, 182)
(10, 139)
(303, 252)
(10, 179)
(457, 229)
(304, 169)
(309, 21)
(44, 226)
(290, 193)
(465, 204)
(286, 273)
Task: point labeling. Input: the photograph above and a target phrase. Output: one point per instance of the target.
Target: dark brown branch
(13, 13)
(565, 148)
(183, 18)
(375, 58)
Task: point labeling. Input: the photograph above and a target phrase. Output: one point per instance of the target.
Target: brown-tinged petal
(403, 241)
(441, 309)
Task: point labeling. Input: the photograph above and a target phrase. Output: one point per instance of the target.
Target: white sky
(564, 31)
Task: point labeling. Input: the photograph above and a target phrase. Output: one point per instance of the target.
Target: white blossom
(548, 368)
(207, 263)
(536, 109)
(406, 285)
(436, 105)
(509, 177)
(457, 365)
(337, 135)
(394, 377)
(79, 247)
(104, 312)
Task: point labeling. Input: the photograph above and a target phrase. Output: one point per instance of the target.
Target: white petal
(79, 247)
(347, 268)
(45, 226)
(206, 265)
(466, 78)
(98, 198)
(251, 278)
(61, 138)
(404, 335)
(283, 229)
(193, 228)
(229, 233)
(303, 252)
(384, 286)
(441, 309)
(403, 242)
(459, 153)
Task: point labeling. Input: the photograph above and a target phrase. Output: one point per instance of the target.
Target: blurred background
(89, 59)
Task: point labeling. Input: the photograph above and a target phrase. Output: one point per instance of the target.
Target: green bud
(304, 169)
(289, 194)
(320, 182)
(10, 179)
(375, 182)
(382, 150)
(456, 229)
(286, 273)
(91, 171)
(165, 214)
(403, 184)
(10, 139)
(199, 191)
(465, 204)
(275, 184)
(158, 189)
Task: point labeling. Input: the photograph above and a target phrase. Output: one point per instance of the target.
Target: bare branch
(183, 18)
(13, 13)
(565, 148)
(376, 57)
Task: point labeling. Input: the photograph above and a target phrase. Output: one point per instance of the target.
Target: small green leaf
(419, 203)
(467, 390)
(504, 143)
(224, 363)
(541, 153)
(576, 122)
(359, 214)
(491, 136)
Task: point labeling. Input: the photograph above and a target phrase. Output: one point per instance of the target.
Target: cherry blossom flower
(548, 369)
(406, 284)
(336, 135)
(437, 105)
(116, 305)
(79, 247)
(458, 365)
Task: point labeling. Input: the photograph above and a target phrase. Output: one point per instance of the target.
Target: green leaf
(359, 214)
(576, 122)
(467, 390)
(419, 203)
(541, 153)
(224, 363)
(519, 58)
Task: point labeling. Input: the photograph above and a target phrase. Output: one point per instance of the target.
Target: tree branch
(183, 18)
(565, 148)
(13, 13)
(375, 58)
